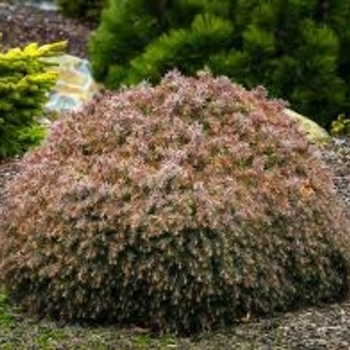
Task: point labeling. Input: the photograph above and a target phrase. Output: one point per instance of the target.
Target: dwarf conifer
(24, 86)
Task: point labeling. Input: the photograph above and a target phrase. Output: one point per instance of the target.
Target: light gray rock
(312, 129)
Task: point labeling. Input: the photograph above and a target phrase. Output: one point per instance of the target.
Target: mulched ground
(23, 24)
(326, 327)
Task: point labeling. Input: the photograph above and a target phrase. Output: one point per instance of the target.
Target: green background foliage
(86, 10)
(341, 126)
(296, 49)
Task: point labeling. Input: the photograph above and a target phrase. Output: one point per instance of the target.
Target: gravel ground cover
(22, 24)
(324, 327)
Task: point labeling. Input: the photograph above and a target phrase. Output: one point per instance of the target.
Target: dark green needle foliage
(88, 11)
(297, 49)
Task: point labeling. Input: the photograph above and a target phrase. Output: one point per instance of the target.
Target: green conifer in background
(297, 49)
(86, 10)
(24, 86)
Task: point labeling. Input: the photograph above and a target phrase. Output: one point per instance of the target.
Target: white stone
(315, 132)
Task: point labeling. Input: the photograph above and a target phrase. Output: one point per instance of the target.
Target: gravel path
(325, 327)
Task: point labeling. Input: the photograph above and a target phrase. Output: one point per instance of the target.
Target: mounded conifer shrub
(178, 207)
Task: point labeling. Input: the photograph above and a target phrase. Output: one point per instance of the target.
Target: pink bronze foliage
(180, 207)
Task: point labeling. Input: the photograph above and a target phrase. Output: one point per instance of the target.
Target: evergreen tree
(86, 10)
(127, 28)
(24, 86)
(296, 49)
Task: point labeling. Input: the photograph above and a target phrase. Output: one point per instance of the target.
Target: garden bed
(326, 327)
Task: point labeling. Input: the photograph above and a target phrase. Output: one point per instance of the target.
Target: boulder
(315, 132)
(75, 83)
